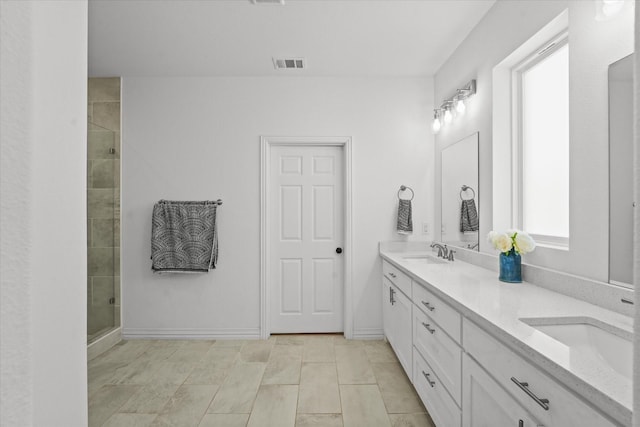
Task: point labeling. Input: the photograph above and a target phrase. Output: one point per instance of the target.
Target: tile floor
(289, 380)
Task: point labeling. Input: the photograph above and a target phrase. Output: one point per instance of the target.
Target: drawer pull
(431, 383)
(429, 306)
(426, 325)
(525, 387)
(392, 275)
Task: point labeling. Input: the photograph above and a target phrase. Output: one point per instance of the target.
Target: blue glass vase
(510, 267)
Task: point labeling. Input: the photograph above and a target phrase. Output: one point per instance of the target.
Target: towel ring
(465, 188)
(403, 188)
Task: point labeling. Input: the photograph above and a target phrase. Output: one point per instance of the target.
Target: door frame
(266, 143)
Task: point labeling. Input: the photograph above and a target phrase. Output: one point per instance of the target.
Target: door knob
(338, 250)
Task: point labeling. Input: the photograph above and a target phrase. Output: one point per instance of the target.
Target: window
(541, 172)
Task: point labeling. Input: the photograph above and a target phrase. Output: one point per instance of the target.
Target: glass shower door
(103, 208)
(102, 232)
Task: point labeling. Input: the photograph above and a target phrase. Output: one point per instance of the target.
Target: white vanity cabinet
(535, 392)
(488, 404)
(440, 351)
(396, 311)
(442, 408)
(441, 313)
(398, 278)
(387, 306)
(437, 356)
(463, 374)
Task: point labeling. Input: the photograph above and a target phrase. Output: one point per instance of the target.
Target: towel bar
(206, 202)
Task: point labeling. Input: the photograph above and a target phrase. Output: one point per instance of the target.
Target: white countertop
(497, 307)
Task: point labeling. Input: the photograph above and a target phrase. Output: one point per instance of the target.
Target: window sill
(554, 246)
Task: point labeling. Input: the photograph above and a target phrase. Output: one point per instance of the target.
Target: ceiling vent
(289, 63)
(280, 2)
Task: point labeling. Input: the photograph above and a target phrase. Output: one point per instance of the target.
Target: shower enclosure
(103, 207)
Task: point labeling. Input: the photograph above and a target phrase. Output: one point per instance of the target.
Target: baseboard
(222, 334)
(368, 334)
(103, 344)
(192, 334)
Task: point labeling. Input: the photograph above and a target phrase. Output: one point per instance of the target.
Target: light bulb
(448, 116)
(460, 107)
(611, 7)
(436, 125)
(608, 9)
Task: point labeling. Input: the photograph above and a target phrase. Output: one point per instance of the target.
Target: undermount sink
(424, 259)
(590, 337)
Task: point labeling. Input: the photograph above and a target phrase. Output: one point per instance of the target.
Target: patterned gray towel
(184, 236)
(405, 222)
(468, 216)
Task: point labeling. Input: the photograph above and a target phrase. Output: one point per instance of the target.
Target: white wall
(43, 205)
(16, 390)
(198, 138)
(593, 46)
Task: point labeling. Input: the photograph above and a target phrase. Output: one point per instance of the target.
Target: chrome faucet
(450, 257)
(443, 252)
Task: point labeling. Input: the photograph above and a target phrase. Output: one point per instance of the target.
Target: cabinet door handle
(426, 325)
(525, 387)
(429, 306)
(391, 299)
(431, 383)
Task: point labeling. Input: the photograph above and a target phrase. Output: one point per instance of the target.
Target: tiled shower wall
(103, 206)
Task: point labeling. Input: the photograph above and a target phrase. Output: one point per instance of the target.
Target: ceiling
(236, 38)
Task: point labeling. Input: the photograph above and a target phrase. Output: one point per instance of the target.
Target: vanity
(481, 352)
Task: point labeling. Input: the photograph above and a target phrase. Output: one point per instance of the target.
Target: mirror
(621, 172)
(460, 193)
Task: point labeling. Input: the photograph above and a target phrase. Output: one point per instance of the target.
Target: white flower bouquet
(512, 241)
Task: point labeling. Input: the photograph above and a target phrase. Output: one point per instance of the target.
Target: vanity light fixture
(607, 9)
(456, 101)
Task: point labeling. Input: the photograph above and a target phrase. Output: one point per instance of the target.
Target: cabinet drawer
(401, 280)
(440, 312)
(565, 409)
(440, 352)
(440, 405)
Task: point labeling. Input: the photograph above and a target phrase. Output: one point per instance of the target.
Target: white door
(306, 211)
